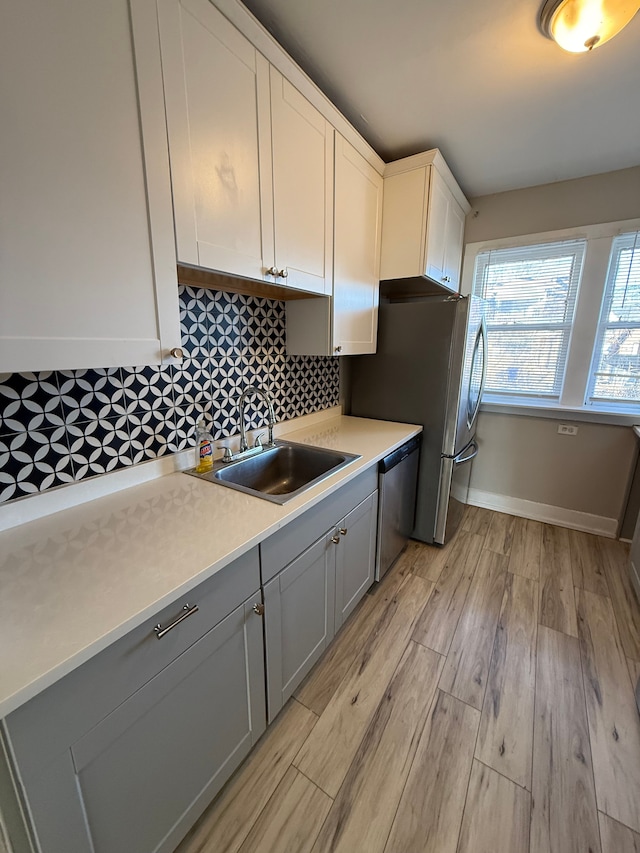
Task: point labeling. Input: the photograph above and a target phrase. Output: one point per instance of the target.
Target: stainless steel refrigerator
(429, 369)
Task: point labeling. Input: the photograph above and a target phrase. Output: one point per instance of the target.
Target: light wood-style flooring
(480, 700)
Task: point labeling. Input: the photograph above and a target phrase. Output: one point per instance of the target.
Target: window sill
(561, 413)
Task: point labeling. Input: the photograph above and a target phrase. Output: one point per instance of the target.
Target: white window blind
(531, 295)
(615, 368)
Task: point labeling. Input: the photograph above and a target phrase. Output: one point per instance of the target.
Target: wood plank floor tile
(292, 818)
(587, 562)
(500, 534)
(316, 690)
(430, 812)
(431, 559)
(466, 670)
(526, 548)
(623, 597)
(617, 838)
(362, 814)
(557, 601)
(611, 711)
(439, 620)
(411, 551)
(476, 520)
(634, 671)
(563, 808)
(505, 739)
(496, 814)
(327, 754)
(227, 822)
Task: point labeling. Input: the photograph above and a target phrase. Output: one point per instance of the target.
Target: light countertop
(76, 581)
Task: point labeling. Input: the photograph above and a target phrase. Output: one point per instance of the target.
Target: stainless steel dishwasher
(397, 480)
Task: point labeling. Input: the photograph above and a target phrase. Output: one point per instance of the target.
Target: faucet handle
(227, 455)
(257, 441)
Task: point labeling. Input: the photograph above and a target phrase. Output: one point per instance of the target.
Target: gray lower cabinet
(355, 556)
(313, 578)
(135, 780)
(299, 619)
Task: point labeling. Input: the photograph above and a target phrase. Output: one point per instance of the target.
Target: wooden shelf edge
(199, 277)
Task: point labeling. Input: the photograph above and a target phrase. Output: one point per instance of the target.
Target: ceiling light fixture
(581, 25)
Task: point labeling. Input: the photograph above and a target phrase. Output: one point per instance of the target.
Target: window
(615, 372)
(531, 295)
(563, 320)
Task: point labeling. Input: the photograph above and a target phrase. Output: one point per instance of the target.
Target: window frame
(553, 249)
(573, 395)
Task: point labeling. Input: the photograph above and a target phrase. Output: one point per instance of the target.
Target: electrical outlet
(567, 429)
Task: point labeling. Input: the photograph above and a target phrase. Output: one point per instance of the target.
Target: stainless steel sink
(279, 473)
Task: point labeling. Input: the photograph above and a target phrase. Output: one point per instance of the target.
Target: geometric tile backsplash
(63, 426)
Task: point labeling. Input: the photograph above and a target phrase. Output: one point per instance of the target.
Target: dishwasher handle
(399, 455)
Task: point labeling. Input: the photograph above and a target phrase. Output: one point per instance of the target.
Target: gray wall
(609, 197)
(524, 457)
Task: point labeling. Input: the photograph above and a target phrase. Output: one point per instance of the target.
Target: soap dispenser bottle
(204, 448)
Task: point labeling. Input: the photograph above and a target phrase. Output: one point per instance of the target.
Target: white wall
(524, 465)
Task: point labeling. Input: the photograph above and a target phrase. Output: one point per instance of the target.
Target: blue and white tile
(182, 427)
(92, 395)
(152, 433)
(194, 321)
(33, 461)
(148, 388)
(29, 401)
(99, 446)
(192, 383)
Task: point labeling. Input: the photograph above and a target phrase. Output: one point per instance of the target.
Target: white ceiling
(507, 107)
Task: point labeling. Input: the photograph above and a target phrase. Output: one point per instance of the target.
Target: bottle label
(206, 450)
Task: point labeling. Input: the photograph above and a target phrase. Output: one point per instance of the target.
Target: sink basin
(279, 473)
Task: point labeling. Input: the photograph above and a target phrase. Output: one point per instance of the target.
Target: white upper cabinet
(348, 324)
(251, 158)
(218, 119)
(302, 189)
(356, 270)
(423, 221)
(87, 264)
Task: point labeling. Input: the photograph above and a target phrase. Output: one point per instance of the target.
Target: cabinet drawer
(285, 545)
(84, 697)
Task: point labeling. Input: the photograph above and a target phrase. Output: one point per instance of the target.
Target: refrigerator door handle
(460, 459)
(481, 338)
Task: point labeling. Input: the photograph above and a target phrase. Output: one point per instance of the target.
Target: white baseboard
(548, 513)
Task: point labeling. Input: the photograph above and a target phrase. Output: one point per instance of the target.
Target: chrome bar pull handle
(187, 611)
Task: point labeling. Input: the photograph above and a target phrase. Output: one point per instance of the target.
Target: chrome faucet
(248, 391)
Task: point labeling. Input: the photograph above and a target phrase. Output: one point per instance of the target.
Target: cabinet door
(299, 619)
(356, 271)
(454, 239)
(217, 102)
(436, 243)
(445, 230)
(302, 142)
(140, 778)
(87, 261)
(355, 556)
